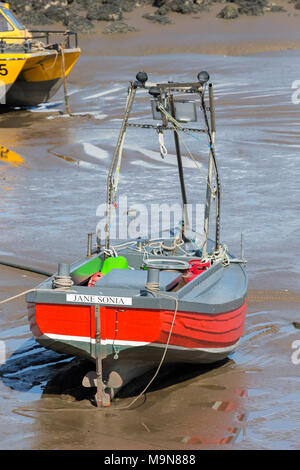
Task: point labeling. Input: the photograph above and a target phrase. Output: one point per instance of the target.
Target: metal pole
(243, 247)
(180, 167)
(102, 398)
(215, 167)
(98, 241)
(210, 171)
(130, 98)
(63, 68)
(89, 248)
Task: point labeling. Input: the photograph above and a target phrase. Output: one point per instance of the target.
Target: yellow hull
(10, 68)
(32, 78)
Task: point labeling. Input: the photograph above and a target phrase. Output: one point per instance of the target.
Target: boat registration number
(98, 299)
(3, 70)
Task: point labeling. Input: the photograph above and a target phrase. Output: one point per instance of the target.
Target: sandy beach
(202, 34)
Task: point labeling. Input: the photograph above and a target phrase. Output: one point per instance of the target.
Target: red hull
(134, 327)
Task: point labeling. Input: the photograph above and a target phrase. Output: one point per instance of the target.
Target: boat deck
(220, 288)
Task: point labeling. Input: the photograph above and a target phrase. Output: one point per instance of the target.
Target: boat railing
(68, 38)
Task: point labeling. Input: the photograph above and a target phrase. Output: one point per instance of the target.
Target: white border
(86, 339)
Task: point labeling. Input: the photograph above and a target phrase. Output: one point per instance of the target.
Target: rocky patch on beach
(83, 15)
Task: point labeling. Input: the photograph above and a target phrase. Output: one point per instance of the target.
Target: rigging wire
(177, 126)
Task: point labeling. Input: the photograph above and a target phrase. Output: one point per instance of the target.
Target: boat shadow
(10, 111)
(32, 368)
(44, 107)
(171, 374)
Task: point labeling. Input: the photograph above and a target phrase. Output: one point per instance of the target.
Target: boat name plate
(99, 299)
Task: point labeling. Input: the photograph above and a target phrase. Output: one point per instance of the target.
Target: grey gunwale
(211, 292)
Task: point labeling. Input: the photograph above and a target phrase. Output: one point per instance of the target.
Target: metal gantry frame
(162, 92)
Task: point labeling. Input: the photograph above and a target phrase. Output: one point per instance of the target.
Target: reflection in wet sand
(153, 422)
(8, 156)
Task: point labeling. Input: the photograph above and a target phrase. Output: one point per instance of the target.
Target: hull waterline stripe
(131, 343)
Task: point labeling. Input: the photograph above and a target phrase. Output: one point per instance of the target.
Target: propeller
(114, 380)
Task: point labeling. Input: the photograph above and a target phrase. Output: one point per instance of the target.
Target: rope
(26, 268)
(46, 69)
(163, 149)
(169, 117)
(221, 255)
(213, 190)
(116, 158)
(60, 288)
(181, 128)
(16, 296)
(116, 176)
(38, 45)
(163, 356)
(173, 247)
(152, 287)
(63, 69)
(62, 282)
(117, 172)
(111, 252)
(224, 256)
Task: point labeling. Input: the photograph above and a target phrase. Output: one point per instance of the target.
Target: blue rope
(197, 138)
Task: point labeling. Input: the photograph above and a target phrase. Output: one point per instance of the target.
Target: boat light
(154, 91)
(142, 77)
(203, 76)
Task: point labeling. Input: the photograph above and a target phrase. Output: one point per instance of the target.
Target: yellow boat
(32, 68)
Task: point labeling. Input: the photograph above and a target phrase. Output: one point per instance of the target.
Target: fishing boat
(33, 64)
(135, 304)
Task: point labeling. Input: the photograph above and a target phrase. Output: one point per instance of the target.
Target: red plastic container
(197, 267)
(94, 278)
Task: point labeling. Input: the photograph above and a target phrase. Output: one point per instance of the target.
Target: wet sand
(243, 403)
(49, 202)
(201, 33)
